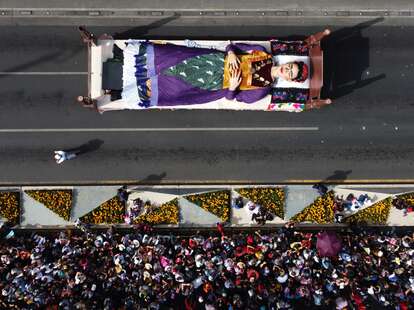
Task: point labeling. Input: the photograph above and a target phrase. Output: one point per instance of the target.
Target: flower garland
(321, 211)
(217, 203)
(271, 198)
(10, 206)
(167, 213)
(376, 214)
(58, 201)
(407, 198)
(110, 212)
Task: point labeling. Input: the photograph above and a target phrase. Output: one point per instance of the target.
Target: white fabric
(105, 104)
(96, 61)
(284, 59)
(129, 81)
(217, 45)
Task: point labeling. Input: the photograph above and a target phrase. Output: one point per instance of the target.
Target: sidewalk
(297, 198)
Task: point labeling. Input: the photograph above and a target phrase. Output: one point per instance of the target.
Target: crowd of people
(349, 205)
(401, 204)
(258, 214)
(250, 270)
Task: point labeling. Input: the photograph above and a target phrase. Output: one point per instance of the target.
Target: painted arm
(248, 96)
(244, 47)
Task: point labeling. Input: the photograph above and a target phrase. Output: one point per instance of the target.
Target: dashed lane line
(173, 129)
(42, 73)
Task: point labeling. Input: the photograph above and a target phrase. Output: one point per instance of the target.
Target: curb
(145, 13)
(152, 184)
(193, 230)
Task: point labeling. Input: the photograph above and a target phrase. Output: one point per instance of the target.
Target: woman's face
(288, 71)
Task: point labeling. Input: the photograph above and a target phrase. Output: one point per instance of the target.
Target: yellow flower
(407, 198)
(111, 212)
(166, 214)
(271, 198)
(375, 214)
(217, 203)
(320, 211)
(59, 201)
(10, 206)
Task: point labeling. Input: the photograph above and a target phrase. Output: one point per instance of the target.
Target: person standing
(321, 188)
(86, 102)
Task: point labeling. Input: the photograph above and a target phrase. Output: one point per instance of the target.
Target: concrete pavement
(298, 197)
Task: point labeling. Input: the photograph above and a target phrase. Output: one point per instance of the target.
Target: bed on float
(289, 96)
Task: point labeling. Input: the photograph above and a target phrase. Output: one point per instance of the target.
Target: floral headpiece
(303, 72)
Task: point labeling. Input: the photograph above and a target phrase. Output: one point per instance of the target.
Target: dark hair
(303, 72)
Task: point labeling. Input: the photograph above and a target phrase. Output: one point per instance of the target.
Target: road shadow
(153, 179)
(88, 147)
(338, 176)
(138, 32)
(26, 65)
(346, 60)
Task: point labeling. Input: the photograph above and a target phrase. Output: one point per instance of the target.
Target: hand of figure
(235, 79)
(233, 61)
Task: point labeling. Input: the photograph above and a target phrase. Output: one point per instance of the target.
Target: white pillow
(284, 59)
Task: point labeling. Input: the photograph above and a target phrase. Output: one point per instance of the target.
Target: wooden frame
(315, 55)
(89, 39)
(316, 60)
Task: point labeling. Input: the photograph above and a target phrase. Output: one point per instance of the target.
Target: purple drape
(175, 91)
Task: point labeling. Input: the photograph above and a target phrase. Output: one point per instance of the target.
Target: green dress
(204, 71)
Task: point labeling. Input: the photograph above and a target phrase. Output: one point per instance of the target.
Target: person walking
(61, 156)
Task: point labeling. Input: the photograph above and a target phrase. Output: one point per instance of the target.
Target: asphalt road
(367, 133)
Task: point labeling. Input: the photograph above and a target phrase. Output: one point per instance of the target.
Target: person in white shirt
(61, 156)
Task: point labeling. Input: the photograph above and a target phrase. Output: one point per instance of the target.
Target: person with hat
(266, 268)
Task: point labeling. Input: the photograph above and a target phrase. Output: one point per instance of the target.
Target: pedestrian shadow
(338, 176)
(153, 179)
(346, 60)
(138, 32)
(88, 147)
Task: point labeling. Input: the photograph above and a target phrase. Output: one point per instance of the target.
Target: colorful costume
(169, 75)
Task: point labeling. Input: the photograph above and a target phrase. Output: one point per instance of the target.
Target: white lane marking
(35, 130)
(41, 73)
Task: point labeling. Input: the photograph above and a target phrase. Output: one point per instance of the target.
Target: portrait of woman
(169, 75)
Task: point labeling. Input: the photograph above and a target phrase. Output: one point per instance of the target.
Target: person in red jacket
(358, 301)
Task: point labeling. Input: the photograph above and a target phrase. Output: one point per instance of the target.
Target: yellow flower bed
(167, 213)
(59, 201)
(10, 206)
(376, 214)
(271, 198)
(321, 211)
(110, 212)
(217, 203)
(408, 198)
